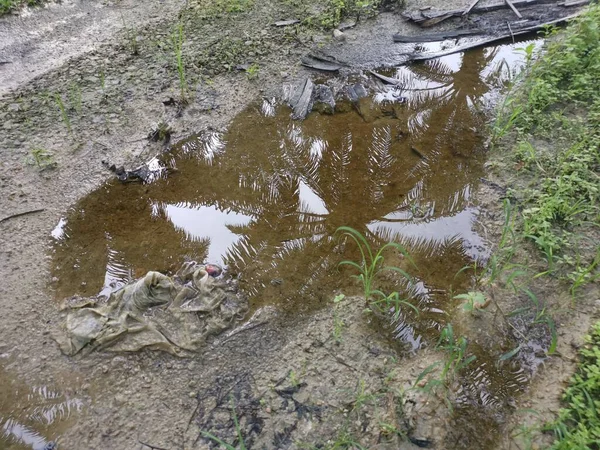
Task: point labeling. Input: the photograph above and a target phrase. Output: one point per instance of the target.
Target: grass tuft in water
(370, 266)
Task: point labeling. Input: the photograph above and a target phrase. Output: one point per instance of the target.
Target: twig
(153, 447)
(515, 10)
(470, 7)
(12, 216)
(511, 31)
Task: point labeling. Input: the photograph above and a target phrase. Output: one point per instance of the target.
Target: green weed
(63, 111)
(558, 101)
(578, 423)
(241, 445)
(75, 99)
(41, 158)
(7, 6)
(252, 72)
(371, 265)
(473, 301)
(456, 360)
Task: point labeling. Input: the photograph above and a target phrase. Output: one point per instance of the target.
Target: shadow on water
(266, 197)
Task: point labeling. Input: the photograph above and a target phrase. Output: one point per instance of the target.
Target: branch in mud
(12, 216)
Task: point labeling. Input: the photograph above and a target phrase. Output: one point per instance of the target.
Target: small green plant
(455, 361)
(473, 301)
(241, 445)
(177, 39)
(63, 111)
(371, 265)
(294, 380)
(75, 99)
(42, 159)
(103, 81)
(252, 71)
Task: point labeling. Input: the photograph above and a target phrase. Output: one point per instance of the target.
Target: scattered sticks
(515, 10)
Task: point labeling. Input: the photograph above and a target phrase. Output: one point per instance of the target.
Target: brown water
(32, 417)
(265, 198)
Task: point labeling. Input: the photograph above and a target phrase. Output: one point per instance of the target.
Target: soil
(293, 382)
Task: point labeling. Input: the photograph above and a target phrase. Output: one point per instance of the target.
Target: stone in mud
(356, 92)
(338, 35)
(324, 101)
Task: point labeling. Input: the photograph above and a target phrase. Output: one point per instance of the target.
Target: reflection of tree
(298, 182)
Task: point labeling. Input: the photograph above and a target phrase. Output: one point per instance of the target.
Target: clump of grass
(7, 6)
(41, 158)
(252, 72)
(578, 423)
(555, 116)
(370, 265)
(63, 111)
(456, 360)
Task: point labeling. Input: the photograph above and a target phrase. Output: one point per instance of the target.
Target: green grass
(578, 423)
(555, 116)
(370, 265)
(7, 6)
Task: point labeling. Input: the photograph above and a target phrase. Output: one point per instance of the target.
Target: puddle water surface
(32, 417)
(265, 198)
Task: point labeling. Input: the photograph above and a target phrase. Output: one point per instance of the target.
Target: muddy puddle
(265, 198)
(33, 417)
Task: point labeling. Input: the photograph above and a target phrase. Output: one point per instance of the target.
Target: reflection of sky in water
(437, 231)
(27, 412)
(310, 202)
(207, 222)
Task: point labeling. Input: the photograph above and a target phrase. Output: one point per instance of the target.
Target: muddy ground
(293, 383)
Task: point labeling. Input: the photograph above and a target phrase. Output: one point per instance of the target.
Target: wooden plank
(515, 10)
(484, 42)
(436, 37)
(422, 16)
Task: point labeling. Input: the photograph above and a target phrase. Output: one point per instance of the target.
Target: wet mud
(266, 197)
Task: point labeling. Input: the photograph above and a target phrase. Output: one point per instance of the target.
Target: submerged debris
(301, 100)
(146, 173)
(157, 312)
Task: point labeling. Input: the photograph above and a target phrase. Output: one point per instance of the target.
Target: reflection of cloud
(436, 232)
(309, 201)
(207, 223)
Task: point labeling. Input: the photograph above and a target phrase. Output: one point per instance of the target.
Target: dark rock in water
(324, 100)
(356, 92)
(302, 99)
(146, 173)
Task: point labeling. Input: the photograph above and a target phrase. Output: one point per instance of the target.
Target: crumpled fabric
(175, 314)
